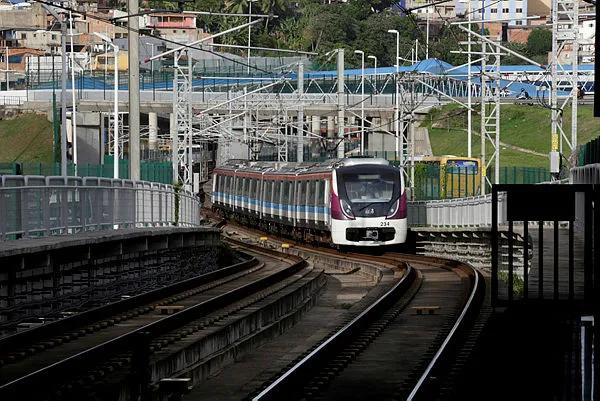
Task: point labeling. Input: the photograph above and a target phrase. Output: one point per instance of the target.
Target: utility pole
(300, 123)
(63, 98)
(7, 84)
(134, 89)
(73, 100)
(469, 86)
(340, 98)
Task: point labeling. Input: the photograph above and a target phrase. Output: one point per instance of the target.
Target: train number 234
(384, 223)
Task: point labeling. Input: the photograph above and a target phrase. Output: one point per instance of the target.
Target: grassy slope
(27, 138)
(521, 125)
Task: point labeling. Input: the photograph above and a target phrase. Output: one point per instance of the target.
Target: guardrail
(588, 174)
(473, 211)
(33, 206)
(12, 100)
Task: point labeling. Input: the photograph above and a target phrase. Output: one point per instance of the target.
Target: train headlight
(393, 209)
(346, 209)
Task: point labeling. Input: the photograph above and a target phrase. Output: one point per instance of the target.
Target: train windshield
(369, 187)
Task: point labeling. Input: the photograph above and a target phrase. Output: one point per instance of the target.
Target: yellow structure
(106, 62)
(457, 176)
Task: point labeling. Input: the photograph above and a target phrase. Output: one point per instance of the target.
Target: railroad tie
(422, 309)
(168, 309)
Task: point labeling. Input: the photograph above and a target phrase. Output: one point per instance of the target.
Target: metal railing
(588, 174)
(33, 206)
(12, 100)
(474, 211)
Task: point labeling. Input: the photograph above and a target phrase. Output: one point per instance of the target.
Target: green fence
(149, 171)
(589, 153)
(433, 182)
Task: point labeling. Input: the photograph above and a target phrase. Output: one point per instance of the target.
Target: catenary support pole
(134, 90)
(300, 122)
(63, 99)
(341, 105)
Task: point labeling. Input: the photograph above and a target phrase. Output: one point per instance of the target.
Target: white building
(515, 11)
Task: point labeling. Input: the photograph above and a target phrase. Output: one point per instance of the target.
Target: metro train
(343, 202)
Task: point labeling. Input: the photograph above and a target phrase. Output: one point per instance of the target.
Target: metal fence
(473, 211)
(32, 206)
(589, 153)
(153, 171)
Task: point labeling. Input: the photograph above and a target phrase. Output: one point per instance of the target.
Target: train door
(296, 203)
(260, 190)
(327, 202)
(245, 197)
(215, 188)
(277, 199)
(234, 191)
(291, 208)
(251, 194)
(229, 189)
(314, 196)
(283, 200)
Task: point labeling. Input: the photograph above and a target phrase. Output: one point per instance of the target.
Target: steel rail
(60, 326)
(26, 385)
(294, 373)
(477, 286)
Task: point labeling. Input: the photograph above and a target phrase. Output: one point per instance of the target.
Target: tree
(539, 42)
(329, 29)
(520, 48)
(374, 38)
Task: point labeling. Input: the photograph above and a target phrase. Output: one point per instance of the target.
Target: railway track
(91, 351)
(407, 344)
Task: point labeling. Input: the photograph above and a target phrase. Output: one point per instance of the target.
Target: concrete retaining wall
(53, 274)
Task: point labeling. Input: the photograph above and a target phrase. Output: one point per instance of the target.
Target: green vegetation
(518, 283)
(539, 43)
(310, 25)
(522, 126)
(26, 138)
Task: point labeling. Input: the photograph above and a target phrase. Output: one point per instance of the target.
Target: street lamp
(375, 61)
(249, 28)
(397, 105)
(362, 103)
(116, 104)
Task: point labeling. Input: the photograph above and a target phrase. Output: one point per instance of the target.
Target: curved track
(99, 341)
(395, 349)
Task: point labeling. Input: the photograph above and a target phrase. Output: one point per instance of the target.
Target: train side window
(269, 192)
(318, 193)
(250, 187)
(291, 192)
(285, 189)
(276, 191)
(301, 192)
(310, 190)
(321, 202)
(246, 183)
(260, 192)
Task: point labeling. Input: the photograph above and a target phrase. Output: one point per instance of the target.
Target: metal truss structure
(182, 112)
(123, 133)
(490, 112)
(565, 74)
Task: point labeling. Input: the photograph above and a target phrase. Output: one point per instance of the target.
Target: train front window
(369, 187)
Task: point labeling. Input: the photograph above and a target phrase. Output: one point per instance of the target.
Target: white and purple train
(356, 202)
